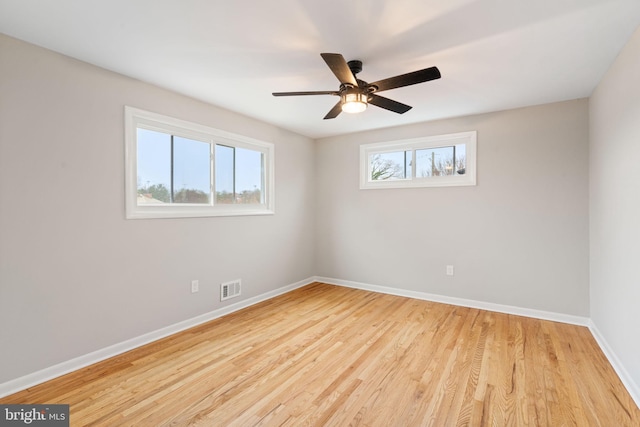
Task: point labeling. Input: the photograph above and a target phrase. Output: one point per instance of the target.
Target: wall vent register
(230, 289)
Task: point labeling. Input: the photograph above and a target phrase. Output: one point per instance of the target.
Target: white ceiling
(493, 54)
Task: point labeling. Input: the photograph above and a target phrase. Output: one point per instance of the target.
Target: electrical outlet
(449, 270)
(195, 286)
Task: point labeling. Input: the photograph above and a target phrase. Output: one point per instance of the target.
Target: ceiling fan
(355, 94)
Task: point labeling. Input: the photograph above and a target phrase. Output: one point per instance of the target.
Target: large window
(181, 169)
(436, 161)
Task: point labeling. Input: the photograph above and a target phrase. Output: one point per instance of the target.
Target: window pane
(249, 185)
(191, 171)
(461, 159)
(154, 167)
(441, 161)
(224, 174)
(239, 175)
(390, 165)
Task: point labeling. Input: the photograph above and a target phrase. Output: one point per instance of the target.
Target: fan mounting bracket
(355, 66)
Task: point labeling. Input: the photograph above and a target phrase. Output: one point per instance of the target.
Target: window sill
(154, 212)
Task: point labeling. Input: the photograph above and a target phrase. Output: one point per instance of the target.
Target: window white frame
(411, 145)
(136, 118)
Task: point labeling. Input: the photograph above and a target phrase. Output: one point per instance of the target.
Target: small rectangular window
(436, 161)
(181, 169)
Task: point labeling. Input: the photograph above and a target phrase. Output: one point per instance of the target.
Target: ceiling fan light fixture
(354, 102)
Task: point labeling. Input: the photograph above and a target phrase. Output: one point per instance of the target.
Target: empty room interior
(209, 216)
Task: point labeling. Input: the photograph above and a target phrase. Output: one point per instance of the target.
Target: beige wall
(615, 209)
(75, 276)
(519, 238)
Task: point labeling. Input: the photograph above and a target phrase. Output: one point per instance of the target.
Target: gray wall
(75, 276)
(520, 237)
(615, 207)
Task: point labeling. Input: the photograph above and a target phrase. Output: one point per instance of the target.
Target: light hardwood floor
(324, 355)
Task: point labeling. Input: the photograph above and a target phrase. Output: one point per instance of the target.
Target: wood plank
(330, 356)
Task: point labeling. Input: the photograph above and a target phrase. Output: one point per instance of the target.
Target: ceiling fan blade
(339, 66)
(408, 79)
(388, 104)
(321, 92)
(333, 113)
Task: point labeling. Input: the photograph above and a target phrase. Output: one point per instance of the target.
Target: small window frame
(135, 118)
(411, 145)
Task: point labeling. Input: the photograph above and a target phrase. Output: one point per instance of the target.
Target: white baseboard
(19, 384)
(63, 368)
(508, 309)
(632, 387)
